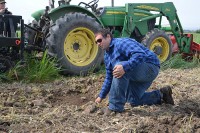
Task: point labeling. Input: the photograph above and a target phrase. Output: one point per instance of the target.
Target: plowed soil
(67, 106)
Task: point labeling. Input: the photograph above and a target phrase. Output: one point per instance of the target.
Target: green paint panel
(113, 16)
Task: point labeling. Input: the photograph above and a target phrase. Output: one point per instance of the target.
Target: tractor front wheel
(159, 42)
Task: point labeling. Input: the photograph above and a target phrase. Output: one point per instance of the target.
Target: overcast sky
(188, 10)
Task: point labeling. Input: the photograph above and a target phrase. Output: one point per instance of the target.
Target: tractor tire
(159, 42)
(72, 42)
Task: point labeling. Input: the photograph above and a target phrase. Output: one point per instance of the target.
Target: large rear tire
(72, 41)
(159, 42)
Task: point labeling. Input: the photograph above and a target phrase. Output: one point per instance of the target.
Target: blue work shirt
(129, 53)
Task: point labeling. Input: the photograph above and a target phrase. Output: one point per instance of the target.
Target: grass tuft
(178, 62)
(34, 70)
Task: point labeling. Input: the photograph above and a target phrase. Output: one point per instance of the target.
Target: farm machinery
(67, 32)
(11, 45)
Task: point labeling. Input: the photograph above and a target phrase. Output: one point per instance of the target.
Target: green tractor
(68, 34)
(67, 31)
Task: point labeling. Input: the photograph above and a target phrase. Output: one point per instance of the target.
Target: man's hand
(98, 100)
(118, 71)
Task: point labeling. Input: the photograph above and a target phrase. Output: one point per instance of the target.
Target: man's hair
(104, 32)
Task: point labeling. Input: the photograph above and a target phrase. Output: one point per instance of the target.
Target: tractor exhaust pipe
(112, 3)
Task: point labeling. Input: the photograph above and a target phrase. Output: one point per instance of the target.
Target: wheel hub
(158, 50)
(76, 46)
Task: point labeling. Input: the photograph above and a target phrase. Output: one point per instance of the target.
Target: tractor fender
(37, 14)
(65, 9)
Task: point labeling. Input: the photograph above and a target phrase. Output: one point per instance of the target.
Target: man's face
(102, 42)
(2, 6)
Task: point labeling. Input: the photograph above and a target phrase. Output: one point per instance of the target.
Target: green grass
(196, 37)
(178, 62)
(34, 70)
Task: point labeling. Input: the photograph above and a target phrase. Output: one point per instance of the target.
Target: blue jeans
(132, 86)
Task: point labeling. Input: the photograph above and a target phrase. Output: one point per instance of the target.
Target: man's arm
(133, 52)
(107, 84)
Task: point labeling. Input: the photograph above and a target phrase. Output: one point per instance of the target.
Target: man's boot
(166, 93)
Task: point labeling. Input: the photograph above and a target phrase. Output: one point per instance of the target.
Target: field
(197, 38)
(62, 106)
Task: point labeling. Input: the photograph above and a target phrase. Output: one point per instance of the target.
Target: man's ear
(108, 36)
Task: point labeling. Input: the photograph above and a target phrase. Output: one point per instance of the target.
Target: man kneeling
(130, 71)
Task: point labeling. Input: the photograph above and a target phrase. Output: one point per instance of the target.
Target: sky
(187, 10)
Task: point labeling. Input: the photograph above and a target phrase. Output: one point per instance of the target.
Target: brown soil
(62, 107)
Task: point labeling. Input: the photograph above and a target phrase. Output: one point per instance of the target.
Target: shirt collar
(112, 43)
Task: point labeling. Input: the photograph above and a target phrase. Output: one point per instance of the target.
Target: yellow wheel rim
(79, 46)
(161, 43)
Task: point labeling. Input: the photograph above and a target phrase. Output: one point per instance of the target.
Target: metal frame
(8, 32)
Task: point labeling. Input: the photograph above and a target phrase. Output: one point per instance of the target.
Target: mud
(62, 107)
